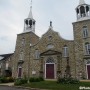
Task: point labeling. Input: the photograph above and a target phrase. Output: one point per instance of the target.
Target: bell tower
(29, 23)
(83, 11)
(81, 30)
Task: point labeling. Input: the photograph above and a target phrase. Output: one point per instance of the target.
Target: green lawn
(52, 85)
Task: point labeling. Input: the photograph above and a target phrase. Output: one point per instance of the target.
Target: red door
(49, 71)
(19, 72)
(88, 71)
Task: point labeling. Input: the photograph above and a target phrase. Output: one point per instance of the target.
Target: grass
(53, 85)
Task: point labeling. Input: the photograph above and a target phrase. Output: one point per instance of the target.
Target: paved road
(10, 88)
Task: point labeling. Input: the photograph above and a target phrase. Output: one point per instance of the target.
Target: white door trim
(18, 72)
(87, 70)
(54, 70)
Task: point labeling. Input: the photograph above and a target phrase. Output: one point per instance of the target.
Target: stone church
(51, 56)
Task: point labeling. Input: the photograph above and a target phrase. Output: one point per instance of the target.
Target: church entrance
(88, 71)
(50, 68)
(49, 71)
(19, 72)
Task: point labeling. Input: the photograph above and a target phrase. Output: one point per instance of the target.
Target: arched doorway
(88, 71)
(50, 64)
(50, 68)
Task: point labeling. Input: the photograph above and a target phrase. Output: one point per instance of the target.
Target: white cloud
(13, 12)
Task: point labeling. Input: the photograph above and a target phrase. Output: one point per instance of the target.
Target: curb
(22, 87)
(28, 88)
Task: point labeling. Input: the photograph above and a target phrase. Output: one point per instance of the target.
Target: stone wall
(79, 43)
(29, 38)
(58, 44)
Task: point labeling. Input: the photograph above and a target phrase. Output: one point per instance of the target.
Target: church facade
(51, 56)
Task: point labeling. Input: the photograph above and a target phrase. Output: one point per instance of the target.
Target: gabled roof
(6, 56)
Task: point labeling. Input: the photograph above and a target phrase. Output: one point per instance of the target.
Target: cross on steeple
(50, 23)
(31, 4)
(30, 13)
(50, 26)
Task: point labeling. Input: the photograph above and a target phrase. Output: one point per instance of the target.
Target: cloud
(13, 12)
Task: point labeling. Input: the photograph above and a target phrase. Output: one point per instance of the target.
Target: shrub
(6, 79)
(68, 81)
(10, 79)
(20, 81)
(33, 79)
(3, 80)
(17, 82)
(24, 81)
(41, 78)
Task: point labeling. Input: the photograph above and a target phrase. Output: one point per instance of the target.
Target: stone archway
(48, 65)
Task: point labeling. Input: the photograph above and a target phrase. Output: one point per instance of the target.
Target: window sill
(87, 55)
(85, 37)
(65, 56)
(37, 59)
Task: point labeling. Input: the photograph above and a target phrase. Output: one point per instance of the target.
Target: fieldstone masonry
(51, 56)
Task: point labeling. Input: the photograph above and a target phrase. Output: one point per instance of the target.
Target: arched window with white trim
(37, 54)
(21, 57)
(65, 51)
(85, 32)
(23, 42)
(7, 65)
(87, 48)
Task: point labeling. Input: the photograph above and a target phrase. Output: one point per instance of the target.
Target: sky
(13, 12)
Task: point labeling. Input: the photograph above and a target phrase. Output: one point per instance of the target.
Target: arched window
(82, 11)
(23, 42)
(85, 32)
(77, 11)
(50, 46)
(0, 65)
(21, 57)
(7, 65)
(37, 54)
(87, 48)
(65, 51)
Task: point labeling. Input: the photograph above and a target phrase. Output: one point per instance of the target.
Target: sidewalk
(7, 84)
(85, 80)
(12, 85)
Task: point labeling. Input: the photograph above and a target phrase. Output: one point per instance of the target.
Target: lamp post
(29, 62)
(68, 69)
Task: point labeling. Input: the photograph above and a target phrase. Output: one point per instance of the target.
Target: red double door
(88, 71)
(49, 71)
